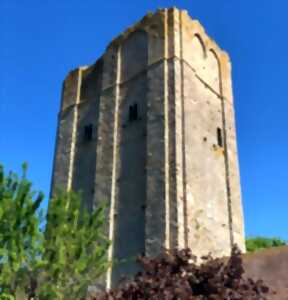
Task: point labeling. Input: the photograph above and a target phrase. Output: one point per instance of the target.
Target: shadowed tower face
(149, 128)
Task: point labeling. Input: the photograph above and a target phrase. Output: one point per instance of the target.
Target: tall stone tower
(149, 128)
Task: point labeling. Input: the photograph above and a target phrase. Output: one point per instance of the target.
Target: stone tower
(150, 129)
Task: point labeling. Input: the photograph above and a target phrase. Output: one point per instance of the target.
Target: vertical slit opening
(88, 132)
(133, 112)
(219, 137)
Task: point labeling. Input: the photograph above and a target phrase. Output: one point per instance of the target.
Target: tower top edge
(149, 18)
(148, 21)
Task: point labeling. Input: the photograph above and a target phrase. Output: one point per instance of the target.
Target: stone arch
(198, 46)
(213, 66)
(195, 53)
(134, 54)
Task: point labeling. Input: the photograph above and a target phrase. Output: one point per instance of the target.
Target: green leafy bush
(21, 241)
(74, 248)
(58, 262)
(258, 243)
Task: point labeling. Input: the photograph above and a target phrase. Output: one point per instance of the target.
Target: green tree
(75, 248)
(258, 243)
(58, 262)
(21, 243)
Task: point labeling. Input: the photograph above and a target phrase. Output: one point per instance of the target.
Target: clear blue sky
(40, 41)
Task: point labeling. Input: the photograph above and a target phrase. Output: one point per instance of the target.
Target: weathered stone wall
(131, 180)
(65, 133)
(205, 169)
(108, 139)
(232, 164)
(206, 187)
(171, 176)
(177, 193)
(85, 150)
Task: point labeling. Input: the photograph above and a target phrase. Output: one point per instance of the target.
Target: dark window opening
(88, 132)
(133, 112)
(219, 137)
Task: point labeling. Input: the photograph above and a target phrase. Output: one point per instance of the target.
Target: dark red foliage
(175, 276)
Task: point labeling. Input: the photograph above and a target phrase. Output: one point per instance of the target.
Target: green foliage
(20, 237)
(75, 248)
(258, 243)
(59, 263)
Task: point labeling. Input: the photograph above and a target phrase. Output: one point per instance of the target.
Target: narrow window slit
(133, 112)
(88, 132)
(219, 137)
